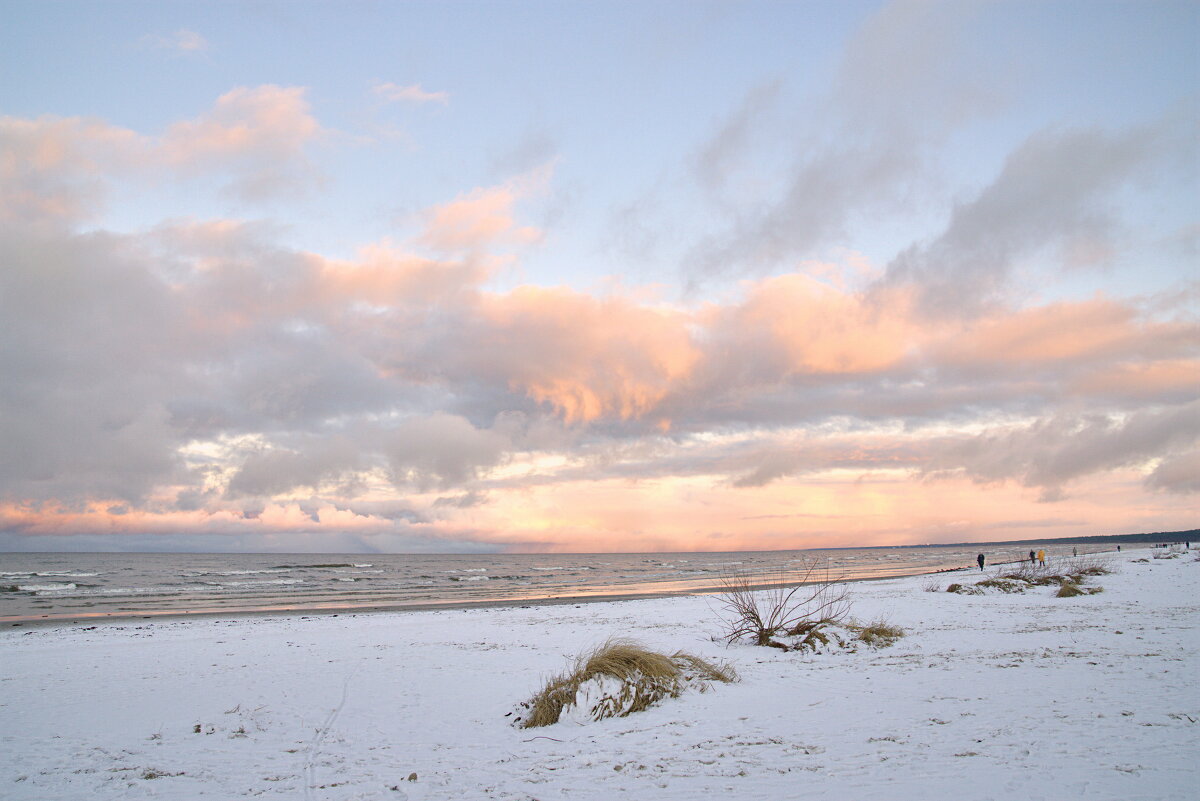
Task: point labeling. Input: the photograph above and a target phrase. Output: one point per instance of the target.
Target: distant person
(979, 559)
(1041, 558)
(1032, 557)
(1118, 549)
(1074, 552)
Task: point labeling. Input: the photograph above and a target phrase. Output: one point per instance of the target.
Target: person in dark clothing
(979, 559)
(1032, 557)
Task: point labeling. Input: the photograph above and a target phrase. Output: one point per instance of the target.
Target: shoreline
(351, 609)
(337, 608)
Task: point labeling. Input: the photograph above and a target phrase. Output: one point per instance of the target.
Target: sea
(75, 587)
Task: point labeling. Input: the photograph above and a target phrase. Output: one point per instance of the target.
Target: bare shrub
(619, 678)
(1090, 565)
(1030, 573)
(932, 584)
(797, 605)
(1058, 571)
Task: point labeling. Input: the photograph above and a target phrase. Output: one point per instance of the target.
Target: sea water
(78, 586)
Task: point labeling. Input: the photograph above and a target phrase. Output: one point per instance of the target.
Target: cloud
(485, 216)
(1052, 192)
(54, 168)
(1179, 473)
(477, 219)
(720, 154)
(587, 358)
(1084, 331)
(1053, 451)
(202, 377)
(796, 325)
(409, 94)
(61, 170)
(181, 41)
(273, 372)
(441, 451)
(81, 411)
(860, 150)
(262, 132)
(315, 461)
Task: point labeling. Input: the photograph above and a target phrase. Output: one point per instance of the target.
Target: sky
(590, 277)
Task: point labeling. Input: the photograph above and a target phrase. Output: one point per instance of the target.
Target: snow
(988, 696)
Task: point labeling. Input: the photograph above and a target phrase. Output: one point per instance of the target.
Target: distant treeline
(1191, 535)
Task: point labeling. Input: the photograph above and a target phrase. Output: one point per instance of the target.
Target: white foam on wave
(44, 587)
(261, 583)
(249, 572)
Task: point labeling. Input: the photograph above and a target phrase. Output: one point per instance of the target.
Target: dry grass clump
(1070, 589)
(1060, 573)
(798, 605)
(878, 634)
(618, 678)
(1003, 584)
(809, 635)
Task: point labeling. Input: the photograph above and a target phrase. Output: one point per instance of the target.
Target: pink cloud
(409, 94)
(105, 517)
(585, 357)
(52, 167)
(1065, 333)
(244, 121)
(475, 220)
(55, 168)
(182, 41)
(803, 326)
(263, 131)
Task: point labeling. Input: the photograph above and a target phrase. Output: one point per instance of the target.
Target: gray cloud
(313, 462)
(859, 151)
(1056, 450)
(88, 363)
(442, 451)
(1052, 192)
(1178, 473)
(719, 156)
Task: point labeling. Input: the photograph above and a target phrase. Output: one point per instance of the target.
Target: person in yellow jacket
(1042, 558)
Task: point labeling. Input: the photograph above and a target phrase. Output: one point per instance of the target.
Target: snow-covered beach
(988, 696)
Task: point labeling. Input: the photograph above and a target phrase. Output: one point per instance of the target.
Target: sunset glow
(719, 296)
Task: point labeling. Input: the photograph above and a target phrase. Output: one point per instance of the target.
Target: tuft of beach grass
(630, 678)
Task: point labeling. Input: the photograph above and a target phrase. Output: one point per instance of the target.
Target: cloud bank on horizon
(769, 278)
